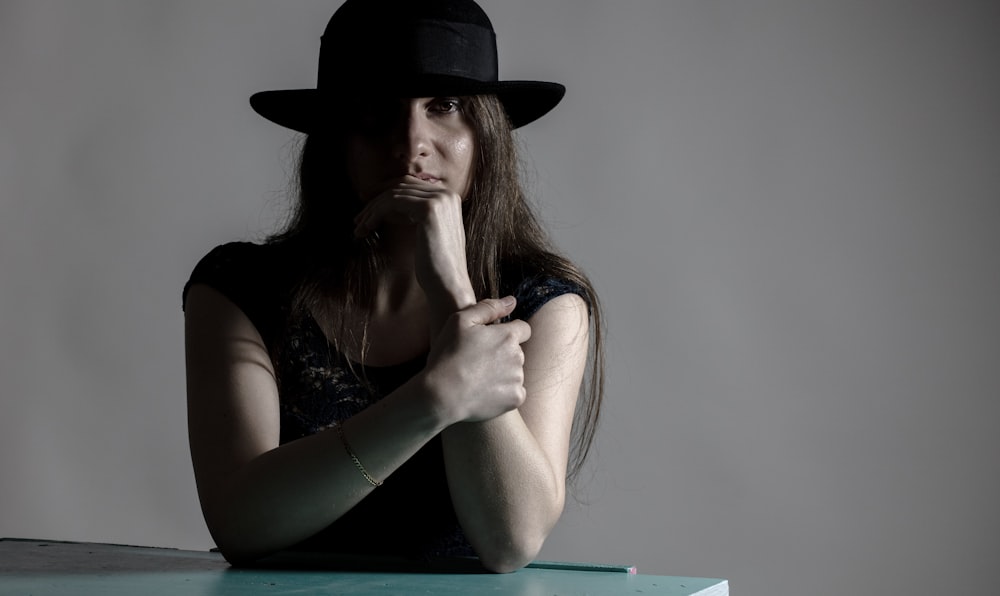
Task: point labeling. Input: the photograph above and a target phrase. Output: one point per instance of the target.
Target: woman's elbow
(237, 546)
(512, 553)
(507, 562)
(235, 551)
(237, 557)
(511, 550)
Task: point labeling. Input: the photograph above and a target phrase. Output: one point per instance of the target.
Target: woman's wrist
(454, 294)
(446, 300)
(433, 390)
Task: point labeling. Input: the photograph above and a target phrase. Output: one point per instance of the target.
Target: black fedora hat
(406, 48)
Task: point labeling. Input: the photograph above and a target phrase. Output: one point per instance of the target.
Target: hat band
(420, 48)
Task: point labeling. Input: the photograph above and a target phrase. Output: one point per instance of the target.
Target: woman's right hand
(475, 369)
(439, 252)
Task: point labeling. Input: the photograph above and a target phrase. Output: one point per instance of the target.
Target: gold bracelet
(354, 458)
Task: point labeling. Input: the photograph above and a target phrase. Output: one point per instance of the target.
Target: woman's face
(429, 137)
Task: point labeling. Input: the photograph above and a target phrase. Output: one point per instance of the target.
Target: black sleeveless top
(411, 514)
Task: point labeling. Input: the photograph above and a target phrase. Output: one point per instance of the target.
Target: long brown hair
(338, 287)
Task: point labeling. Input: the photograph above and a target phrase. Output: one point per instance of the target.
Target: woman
(396, 372)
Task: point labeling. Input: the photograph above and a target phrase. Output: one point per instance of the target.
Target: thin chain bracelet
(354, 458)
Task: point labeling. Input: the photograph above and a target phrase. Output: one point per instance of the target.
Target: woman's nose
(411, 135)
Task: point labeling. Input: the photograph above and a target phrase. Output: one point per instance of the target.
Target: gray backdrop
(790, 209)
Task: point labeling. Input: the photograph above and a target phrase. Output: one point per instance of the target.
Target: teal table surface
(42, 568)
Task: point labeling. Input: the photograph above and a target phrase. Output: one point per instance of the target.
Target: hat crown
(367, 15)
(393, 43)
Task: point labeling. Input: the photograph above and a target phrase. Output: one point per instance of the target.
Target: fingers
(491, 310)
(478, 363)
(409, 201)
(488, 311)
(395, 208)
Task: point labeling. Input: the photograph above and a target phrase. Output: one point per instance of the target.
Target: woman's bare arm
(258, 497)
(507, 475)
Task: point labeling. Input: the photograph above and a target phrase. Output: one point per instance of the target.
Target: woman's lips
(425, 177)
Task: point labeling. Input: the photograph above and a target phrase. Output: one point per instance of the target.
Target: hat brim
(303, 110)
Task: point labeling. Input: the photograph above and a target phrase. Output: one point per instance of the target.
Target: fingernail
(508, 301)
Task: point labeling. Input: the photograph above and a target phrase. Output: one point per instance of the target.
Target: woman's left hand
(435, 214)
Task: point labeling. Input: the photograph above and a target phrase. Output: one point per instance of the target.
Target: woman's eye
(446, 106)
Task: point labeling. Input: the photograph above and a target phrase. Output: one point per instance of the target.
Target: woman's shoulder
(236, 269)
(536, 289)
(240, 253)
(254, 277)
